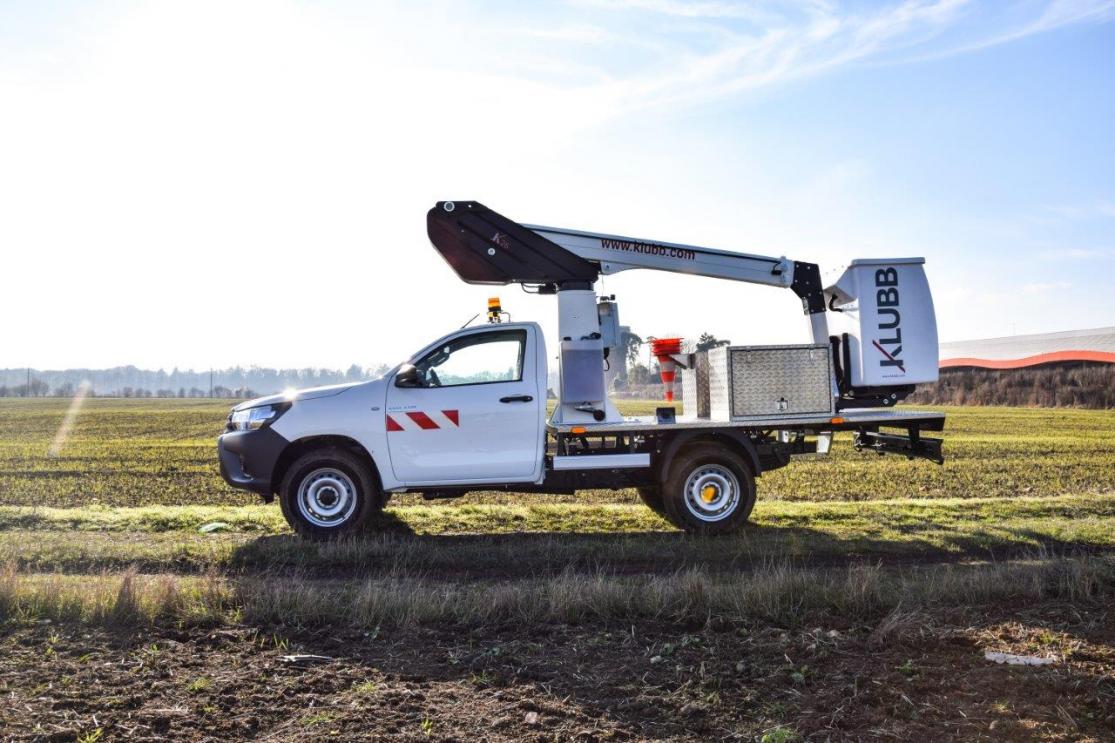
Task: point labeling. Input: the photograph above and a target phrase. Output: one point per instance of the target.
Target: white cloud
(780, 42)
(1089, 210)
(580, 34)
(1045, 287)
(1055, 14)
(754, 11)
(1073, 254)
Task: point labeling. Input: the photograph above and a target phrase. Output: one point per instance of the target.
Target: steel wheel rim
(712, 493)
(326, 497)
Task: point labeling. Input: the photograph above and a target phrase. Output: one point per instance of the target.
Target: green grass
(895, 516)
(162, 452)
(138, 477)
(523, 539)
(108, 532)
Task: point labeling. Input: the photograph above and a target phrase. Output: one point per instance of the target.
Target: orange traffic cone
(662, 348)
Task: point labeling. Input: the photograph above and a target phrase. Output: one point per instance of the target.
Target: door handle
(516, 398)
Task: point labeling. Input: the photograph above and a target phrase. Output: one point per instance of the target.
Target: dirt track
(923, 677)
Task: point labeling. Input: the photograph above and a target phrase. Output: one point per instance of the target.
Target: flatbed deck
(850, 420)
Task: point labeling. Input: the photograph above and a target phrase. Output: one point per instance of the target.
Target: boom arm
(886, 339)
(614, 253)
(487, 248)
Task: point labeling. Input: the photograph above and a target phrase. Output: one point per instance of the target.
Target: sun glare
(69, 419)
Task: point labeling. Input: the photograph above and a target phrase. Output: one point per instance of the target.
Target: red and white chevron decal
(417, 420)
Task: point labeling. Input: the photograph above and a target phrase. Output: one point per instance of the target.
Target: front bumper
(248, 458)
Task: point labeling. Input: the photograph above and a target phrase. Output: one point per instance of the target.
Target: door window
(480, 358)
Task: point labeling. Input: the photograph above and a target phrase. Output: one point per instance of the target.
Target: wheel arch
(301, 446)
(735, 441)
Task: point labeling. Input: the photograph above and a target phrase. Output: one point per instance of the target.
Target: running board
(911, 447)
(601, 461)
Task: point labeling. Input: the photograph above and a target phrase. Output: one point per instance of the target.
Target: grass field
(858, 605)
(161, 452)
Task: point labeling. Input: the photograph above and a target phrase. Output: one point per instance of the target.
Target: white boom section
(615, 253)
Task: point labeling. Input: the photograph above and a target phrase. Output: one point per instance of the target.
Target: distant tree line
(34, 388)
(39, 388)
(1079, 385)
(130, 381)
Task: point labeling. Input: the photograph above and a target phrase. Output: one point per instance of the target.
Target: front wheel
(329, 494)
(709, 490)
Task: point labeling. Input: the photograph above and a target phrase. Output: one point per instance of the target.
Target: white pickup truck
(468, 412)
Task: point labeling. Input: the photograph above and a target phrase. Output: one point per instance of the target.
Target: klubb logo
(887, 302)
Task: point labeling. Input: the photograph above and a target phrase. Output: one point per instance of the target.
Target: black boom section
(485, 247)
(807, 285)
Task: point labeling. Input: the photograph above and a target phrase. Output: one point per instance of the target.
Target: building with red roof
(1021, 351)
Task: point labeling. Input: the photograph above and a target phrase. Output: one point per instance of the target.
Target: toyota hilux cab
(467, 411)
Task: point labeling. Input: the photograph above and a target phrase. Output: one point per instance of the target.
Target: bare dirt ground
(912, 676)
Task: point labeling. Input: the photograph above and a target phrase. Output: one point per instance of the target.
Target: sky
(208, 184)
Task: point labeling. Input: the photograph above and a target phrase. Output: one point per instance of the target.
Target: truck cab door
(470, 409)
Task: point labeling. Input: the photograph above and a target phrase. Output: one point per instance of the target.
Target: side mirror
(407, 376)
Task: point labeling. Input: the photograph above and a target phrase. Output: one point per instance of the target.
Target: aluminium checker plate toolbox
(769, 382)
(694, 387)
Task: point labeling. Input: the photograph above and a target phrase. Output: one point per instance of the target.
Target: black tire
(652, 499)
(329, 494)
(709, 490)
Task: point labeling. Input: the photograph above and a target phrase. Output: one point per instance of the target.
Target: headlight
(250, 419)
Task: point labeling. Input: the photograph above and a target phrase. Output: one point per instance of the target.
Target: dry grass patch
(778, 592)
(126, 598)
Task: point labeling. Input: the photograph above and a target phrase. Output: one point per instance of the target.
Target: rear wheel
(709, 490)
(329, 494)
